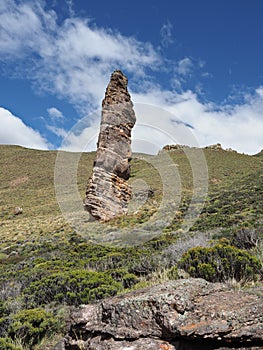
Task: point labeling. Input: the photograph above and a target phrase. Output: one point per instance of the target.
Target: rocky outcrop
(108, 192)
(215, 147)
(174, 147)
(184, 314)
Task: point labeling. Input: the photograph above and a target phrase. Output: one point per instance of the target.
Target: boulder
(184, 314)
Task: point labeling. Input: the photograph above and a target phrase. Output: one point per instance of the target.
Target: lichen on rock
(108, 192)
(184, 314)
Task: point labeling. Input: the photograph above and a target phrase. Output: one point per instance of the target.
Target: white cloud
(82, 137)
(73, 59)
(83, 58)
(184, 66)
(235, 126)
(60, 132)
(166, 33)
(14, 131)
(24, 28)
(55, 113)
(70, 5)
(165, 117)
(259, 91)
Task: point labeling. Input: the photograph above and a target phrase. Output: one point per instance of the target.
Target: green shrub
(221, 263)
(6, 344)
(127, 279)
(4, 326)
(73, 287)
(4, 320)
(30, 326)
(3, 310)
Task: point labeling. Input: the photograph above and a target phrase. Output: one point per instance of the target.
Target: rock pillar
(108, 192)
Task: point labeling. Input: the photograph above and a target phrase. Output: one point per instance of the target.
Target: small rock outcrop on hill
(215, 147)
(174, 147)
(184, 314)
(108, 192)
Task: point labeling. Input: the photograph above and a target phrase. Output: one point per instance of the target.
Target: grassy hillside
(46, 266)
(27, 181)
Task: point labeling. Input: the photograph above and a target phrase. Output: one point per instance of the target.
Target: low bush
(6, 344)
(4, 326)
(220, 263)
(30, 326)
(73, 287)
(3, 310)
(127, 279)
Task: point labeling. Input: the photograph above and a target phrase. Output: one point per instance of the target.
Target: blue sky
(199, 61)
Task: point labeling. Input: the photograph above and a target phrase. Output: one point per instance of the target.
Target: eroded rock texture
(108, 192)
(189, 314)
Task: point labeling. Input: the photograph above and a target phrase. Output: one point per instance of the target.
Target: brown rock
(108, 193)
(174, 147)
(215, 147)
(18, 211)
(183, 314)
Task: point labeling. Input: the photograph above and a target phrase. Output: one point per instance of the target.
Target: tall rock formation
(108, 192)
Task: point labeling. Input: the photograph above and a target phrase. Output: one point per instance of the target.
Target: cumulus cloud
(82, 137)
(24, 28)
(15, 132)
(166, 117)
(73, 59)
(59, 132)
(184, 66)
(259, 91)
(55, 113)
(235, 126)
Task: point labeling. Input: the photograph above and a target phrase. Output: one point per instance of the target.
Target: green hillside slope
(46, 266)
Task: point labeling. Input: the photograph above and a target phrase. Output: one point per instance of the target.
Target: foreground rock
(185, 314)
(108, 192)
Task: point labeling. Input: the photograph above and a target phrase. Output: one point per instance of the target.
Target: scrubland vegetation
(47, 267)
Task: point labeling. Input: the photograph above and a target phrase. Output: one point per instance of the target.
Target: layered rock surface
(108, 193)
(189, 314)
